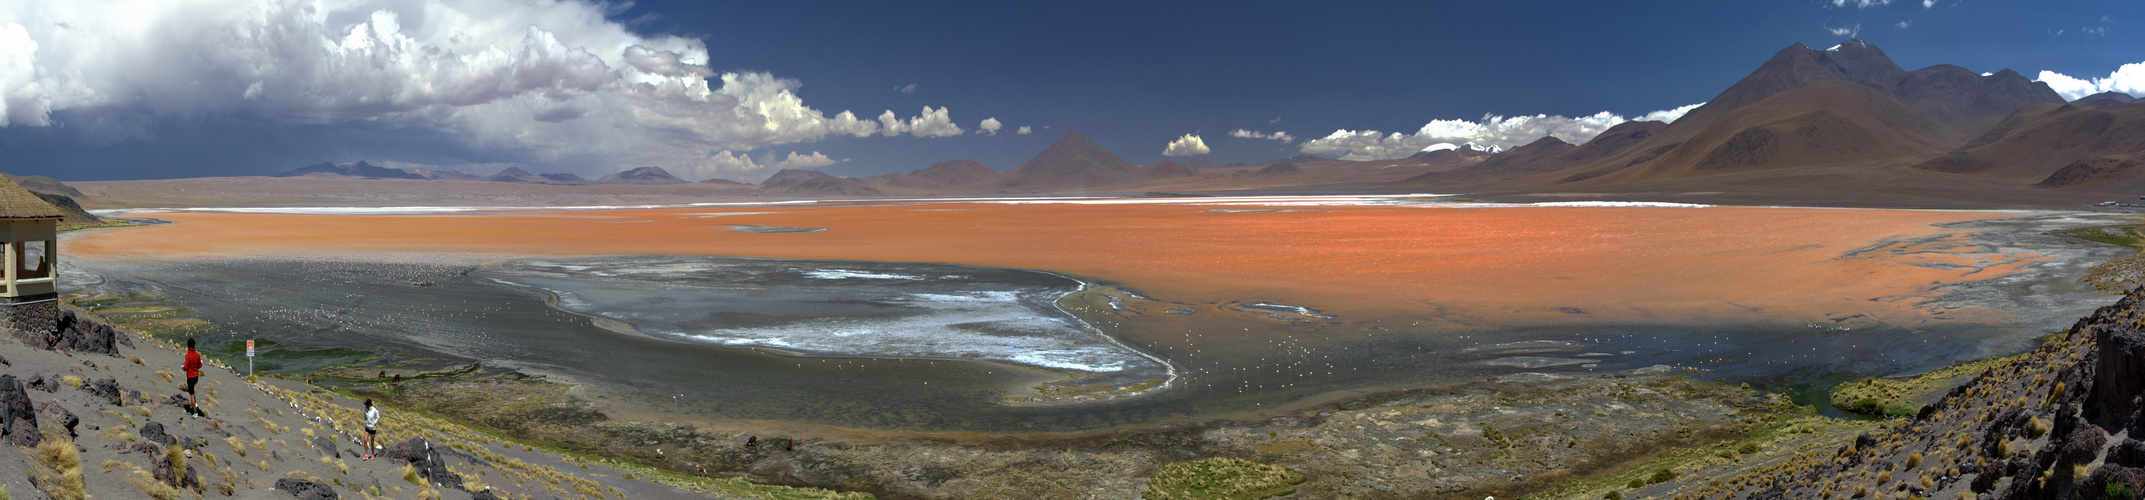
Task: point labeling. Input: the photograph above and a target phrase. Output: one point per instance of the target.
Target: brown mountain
(444, 175)
(2106, 96)
(2071, 147)
(42, 184)
(563, 178)
(1533, 158)
(722, 181)
(516, 174)
(1167, 169)
(1820, 123)
(1072, 164)
(1202, 162)
(954, 173)
(789, 177)
(1281, 167)
(642, 175)
(834, 186)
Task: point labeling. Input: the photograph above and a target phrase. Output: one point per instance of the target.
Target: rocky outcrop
(76, 334)
(154, 432)
(107, 390)
(18, 417)
(58, 415)
(307, 489)
(2119, 367)
(170, 469)
(420, 455)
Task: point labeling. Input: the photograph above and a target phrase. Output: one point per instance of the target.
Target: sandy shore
(1504, 266)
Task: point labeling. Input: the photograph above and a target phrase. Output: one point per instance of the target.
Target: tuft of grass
(60, 474)
(409, 473)
(136, 359)
(1221, 478)
(72, 381)
(237, 444)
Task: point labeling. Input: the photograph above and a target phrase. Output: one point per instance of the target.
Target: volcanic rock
(154, 432)
(53, 412)
(18, 417)
(107, 390)
(306, 489)
(419, 454)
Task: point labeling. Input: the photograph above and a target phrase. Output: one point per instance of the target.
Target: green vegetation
(2117, 235)
(2120, 491)
(1221, 478)
(1767, 427)
(1895, 397)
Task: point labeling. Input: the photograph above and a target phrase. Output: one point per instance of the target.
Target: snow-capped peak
(1486, 149)
(1438, 147)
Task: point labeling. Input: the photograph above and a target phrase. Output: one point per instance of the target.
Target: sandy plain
(1461, 266)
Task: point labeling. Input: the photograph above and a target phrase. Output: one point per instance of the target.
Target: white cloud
(2092, 30)
(989, 126)
(1276, 119)
(552, 82)
(802, 161)
(1905, 24)
(733, 162)
(1252, 134)
(1189, 145)
(1928, 3)
(929, 123)
(1667, 115)
(1493, 130)
(906, 89)
(1860, 4)
(1850, 31)
(1025, 130)
(2128, 79)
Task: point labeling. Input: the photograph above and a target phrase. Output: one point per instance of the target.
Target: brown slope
(1965, 101)
(788, 177)
(2063, 138)
(1167, 169)
(1535, 157)
(1072, 164)
(954, 173)
(1820, 123)
(2019, 118)
(835, 186)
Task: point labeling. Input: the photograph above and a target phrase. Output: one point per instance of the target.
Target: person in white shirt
(372, 428)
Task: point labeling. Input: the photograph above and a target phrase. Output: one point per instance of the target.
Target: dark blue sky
(1134, 75)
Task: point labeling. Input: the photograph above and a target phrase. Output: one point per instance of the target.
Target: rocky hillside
(2061, 422)
(96, 412)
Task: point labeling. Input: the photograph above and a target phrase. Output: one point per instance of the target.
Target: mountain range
(1843, 125)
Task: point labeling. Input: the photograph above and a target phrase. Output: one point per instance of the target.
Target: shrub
(1613, 495)
(2119, 491)
(61, 477)
(1662, 476)
(1221, 478)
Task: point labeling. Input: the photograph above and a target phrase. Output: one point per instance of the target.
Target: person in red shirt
(193, 376)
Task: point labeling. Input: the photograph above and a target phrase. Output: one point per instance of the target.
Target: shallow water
(1247, 357)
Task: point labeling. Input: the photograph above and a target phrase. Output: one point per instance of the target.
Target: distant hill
(2107, 96)
(444, 175)
(835, 186)
(642, 175)
(954, 173)
(359, 169)
(1167, 169)
(1202, 162)
(42, 184)
(2071, 146)
(563, 178)
(1282, 167)
(722, 181)
(516, 174)
(1073, 164)
(790, 177)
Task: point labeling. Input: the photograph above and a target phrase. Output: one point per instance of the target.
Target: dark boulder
(2119, 368)
(18, 417)
(2129, 453)
(2097, 486)
(161, 468)
(53, 412)
(154, 432)
(79, 334)
(107, 390)
(483, 495)
(307, 490)
(419, 454)
(2082, 445)
(38, 382)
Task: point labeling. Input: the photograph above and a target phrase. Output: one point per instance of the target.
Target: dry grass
(60, 472)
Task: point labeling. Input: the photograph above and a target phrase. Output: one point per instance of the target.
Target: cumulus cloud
(2128, 79)
(1493, 130)
(1667, 115)
(553, 82)
(929, 123)
(989, 126)
(1253, 134)
(1025, 130)
(740, 163)
(1850, 31)
(1189, 145)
